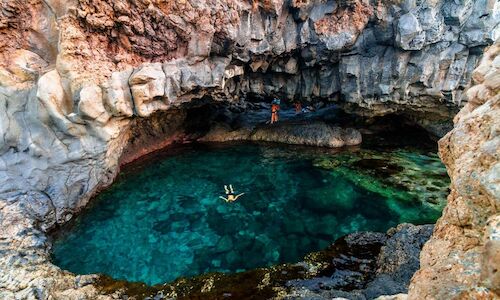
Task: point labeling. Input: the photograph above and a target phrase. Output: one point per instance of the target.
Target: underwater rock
(331, 200)
(386, 173)
(341, 270)
(294, 226)
(224, 244)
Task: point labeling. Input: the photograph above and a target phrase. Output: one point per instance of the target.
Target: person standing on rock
(275, 108)
(298, 107)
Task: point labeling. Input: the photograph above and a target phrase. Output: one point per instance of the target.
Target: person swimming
(231, 197)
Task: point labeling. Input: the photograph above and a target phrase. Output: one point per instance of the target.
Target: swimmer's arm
(223, 198)
(237, 196)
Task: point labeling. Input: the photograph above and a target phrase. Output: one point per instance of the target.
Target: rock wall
(75, 76)
(66, 117)
(463, 256)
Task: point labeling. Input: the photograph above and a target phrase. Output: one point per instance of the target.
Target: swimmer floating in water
(231, 197)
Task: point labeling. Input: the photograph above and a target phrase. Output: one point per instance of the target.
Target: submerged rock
(321, 199)
(387, 173)
(352, 267)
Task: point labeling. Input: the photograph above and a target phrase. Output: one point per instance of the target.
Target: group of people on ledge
(276, 106)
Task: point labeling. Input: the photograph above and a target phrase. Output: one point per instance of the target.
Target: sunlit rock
(147, 85)
(91, 104)
(464, 238)
(118, 95)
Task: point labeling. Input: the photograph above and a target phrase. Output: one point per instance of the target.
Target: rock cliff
(80, 80)
(463, 256)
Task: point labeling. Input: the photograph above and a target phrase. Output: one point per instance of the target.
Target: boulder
(314, 134)
(91, 105)
(118, 97)
(51, 95)
(148, 89)
(410, 35)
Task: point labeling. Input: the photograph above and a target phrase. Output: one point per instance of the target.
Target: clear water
(163, 218)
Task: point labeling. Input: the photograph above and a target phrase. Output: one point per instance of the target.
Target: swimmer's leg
(225, 188)
(231, 188)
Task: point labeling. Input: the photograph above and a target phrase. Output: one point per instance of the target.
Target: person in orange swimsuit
(298, 107)
(275, 108)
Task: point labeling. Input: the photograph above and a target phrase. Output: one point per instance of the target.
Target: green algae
(401, 175)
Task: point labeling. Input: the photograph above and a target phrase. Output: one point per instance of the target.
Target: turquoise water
(163, 218)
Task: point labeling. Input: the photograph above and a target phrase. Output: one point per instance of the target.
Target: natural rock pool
(163, 217)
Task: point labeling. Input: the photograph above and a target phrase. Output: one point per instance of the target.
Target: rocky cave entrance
(207, 120)
(163, 219)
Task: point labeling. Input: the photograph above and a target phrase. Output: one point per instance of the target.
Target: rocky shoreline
(362, 265)
(82, 81)
(466, 240)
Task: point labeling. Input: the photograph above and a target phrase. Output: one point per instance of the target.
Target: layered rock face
(69, 115)
(77, 77)
(463, 256)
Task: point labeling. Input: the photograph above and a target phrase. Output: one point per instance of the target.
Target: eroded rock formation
(77, 76)
(463, 256)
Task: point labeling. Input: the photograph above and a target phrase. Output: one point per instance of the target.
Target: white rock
(91, 105)
(148, 89)
(173, 80)
(409, 33)
(118, 96)
(51, 94)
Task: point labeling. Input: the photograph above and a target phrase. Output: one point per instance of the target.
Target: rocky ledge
(362, 265)
(296, 129)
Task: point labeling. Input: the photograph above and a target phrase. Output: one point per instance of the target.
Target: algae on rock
(394, 174)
